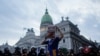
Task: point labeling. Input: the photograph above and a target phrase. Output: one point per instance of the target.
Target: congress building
(71, 40)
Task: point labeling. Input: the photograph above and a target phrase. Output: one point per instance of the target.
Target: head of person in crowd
(86, 50)
(41, 50)
(24, 50)
(33, 49)
(6, 50)
(41, 53)
(17, 49)
(32, 52)
(1, 53)
(80, 49)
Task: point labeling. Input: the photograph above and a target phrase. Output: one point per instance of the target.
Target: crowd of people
(23, 52)
(33, 52)
(84, 53)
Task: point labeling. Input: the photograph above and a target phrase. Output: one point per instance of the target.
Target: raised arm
(61, 34)
(44, 41)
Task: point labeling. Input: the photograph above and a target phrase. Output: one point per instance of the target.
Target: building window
(63, 29)
(63, 40)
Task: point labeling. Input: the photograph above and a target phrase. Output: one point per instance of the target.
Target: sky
(15, 15)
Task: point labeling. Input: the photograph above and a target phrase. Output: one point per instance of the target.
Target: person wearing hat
(52, 40)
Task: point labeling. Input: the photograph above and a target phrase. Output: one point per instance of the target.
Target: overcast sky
(18, 14)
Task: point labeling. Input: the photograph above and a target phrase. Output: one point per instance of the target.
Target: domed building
(71, 40)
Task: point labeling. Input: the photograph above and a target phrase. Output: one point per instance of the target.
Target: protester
(52, 41)
(32, 52)
(85, 51)
(24, 52)
(17, 52)
(41, 53)
(7, 52)
(1, 53)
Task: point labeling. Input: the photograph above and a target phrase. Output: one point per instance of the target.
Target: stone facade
(72, 38)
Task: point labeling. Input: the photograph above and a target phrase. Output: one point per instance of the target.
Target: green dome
(46, 18)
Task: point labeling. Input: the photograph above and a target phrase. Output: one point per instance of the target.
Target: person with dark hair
(1, 53)
(17, 52)
(41, 53)
(7, 52)
(52, 40)
(24, 52)
(32, 52)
